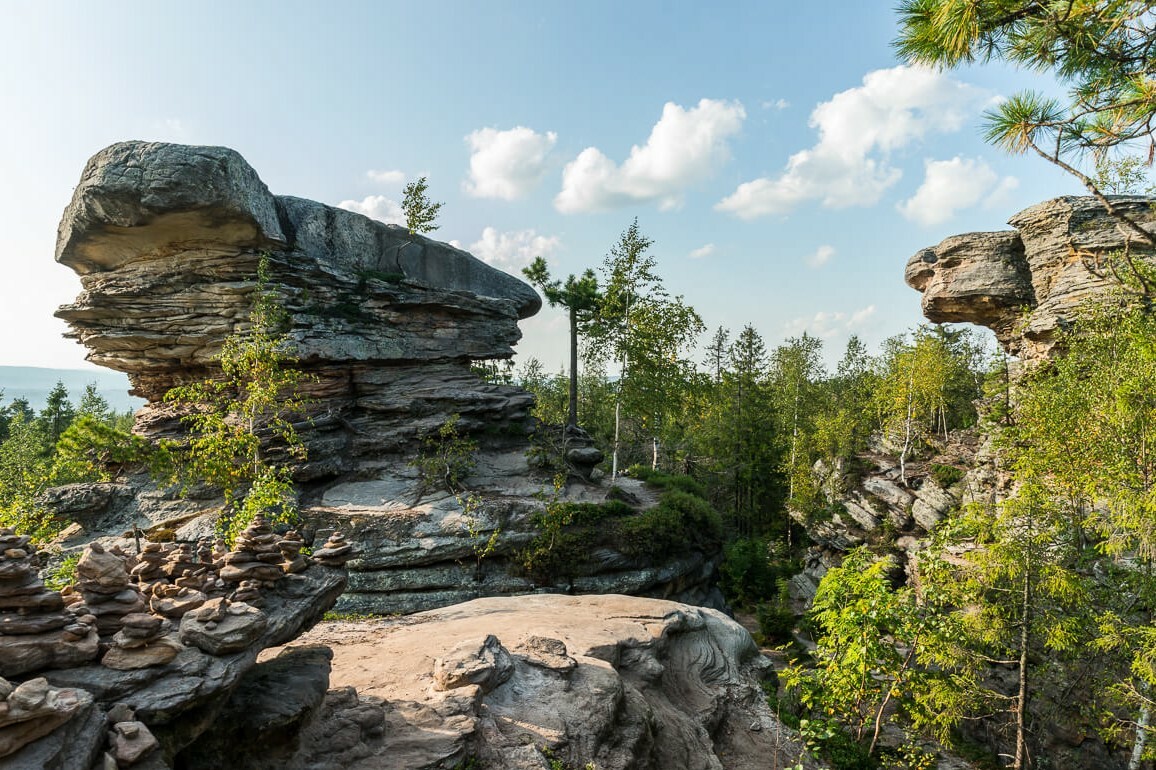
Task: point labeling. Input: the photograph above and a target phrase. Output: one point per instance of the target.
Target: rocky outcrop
(1026, 284)
(166, 240)
(623, 683)
(63, 711)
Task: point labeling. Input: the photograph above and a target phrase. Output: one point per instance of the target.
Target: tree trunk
(1022, 696)
(1141, 741)
(572, 415)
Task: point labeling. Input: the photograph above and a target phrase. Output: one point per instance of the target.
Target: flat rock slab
(620, 681)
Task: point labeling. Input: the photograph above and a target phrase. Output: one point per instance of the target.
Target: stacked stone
(182, 562)
(143, 641)
(150, 565)
(174, 601)
(335, 552)
(255, 556)
(36, 631)
(31, 710)
(291, 545)
(106, 588)
(129, 740)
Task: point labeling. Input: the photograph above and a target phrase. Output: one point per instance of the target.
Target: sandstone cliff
(166, 240)
(1026, 284)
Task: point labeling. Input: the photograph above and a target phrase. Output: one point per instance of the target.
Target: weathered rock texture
(167, 238)
(622, 682)
(71, 710)
(1025, 284)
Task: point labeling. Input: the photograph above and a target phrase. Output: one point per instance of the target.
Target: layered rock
(36, 630)
(624, 683)
(167, 239)
(1027, 284)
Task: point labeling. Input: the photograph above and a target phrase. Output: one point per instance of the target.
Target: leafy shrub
(446, 459)
(64, 575)
(776, 621)
(752, 569)
(945, 475)
(667, 481)
(680, 522)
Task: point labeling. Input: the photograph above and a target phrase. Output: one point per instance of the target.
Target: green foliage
(568, 533)
(865, 661)
(446, 459)
(647, 334)
(680, 522)
(421, 213)
(776, 619)
(581, 297)
(1101, 49)
(946, 475)
(231, 419)
(663, 480)
(752, 570)
(64, 575)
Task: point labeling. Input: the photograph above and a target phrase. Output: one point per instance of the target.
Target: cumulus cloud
(702, 251)
(507, 164)
(858, 129)
(951, 185)
(511, 251)
(828, 324)
(684, 147)
(776, 104)
(376, 207)
(389, 177)
(821, 256)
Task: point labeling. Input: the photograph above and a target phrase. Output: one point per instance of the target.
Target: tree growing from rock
(580, 297)
(235, 420)
(421, 213)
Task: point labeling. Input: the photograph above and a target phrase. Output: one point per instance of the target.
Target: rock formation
(166, 239)
(1026, 284)
(621, 682)
(62, 710)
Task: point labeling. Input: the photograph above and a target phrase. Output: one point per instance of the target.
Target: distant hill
(34, 383)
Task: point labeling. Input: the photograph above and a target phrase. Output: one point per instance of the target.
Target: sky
(781, 158)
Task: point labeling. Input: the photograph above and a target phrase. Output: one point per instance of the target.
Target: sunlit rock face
(1026, 284)
(166, 239)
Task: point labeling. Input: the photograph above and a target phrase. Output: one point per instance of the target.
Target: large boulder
(1028, 283)
(621, 682)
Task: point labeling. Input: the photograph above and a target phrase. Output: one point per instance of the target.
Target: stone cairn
(128, 607)
(105, 588)
(336, 551)
(36, 630)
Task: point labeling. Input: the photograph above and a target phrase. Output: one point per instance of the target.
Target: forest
(1027, 608)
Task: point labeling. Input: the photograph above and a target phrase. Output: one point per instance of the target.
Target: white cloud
(826, 325)
(507, 164)
(951, 185)
(390, 177)
(511, 251)
(702, 251)
(376, 207)
(821, 256)
(776, 104)
(858, 129)
(684, 147)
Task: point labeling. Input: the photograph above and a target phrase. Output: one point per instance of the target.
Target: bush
(751, 571)
(776, 622)
(667, 481)
(945, 475)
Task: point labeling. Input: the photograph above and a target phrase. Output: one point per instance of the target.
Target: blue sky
(783, 162)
